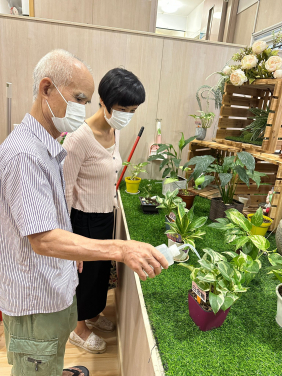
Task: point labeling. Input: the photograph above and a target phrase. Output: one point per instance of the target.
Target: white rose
(238, 77)
(259, 46)
(249, 61)
(227, 70)
(273, 63)
(277, 74)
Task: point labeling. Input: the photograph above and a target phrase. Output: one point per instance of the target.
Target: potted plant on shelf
(275, 260)
(148, 204)
(133, 181)
(169, 204)
(205, 119)
(170, 162)
(216, 286)
(184, 230)
(226, 173)
(237, 231)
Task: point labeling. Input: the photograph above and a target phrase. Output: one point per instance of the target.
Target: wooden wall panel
(65, 10)
(269, 13)
(244, 25)
(171, 70)
(125, 14)
(184, 69)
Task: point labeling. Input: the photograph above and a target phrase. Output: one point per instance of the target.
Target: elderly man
(37, 278)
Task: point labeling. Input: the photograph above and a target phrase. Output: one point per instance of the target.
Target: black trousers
(93, 281)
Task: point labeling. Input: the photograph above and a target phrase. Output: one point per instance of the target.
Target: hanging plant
(257, 127)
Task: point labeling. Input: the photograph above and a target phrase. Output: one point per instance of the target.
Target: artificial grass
(249, 341)
(241, 139)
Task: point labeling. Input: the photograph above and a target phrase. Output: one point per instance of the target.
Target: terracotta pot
(218, 208)
(189, 200)
(203, 319)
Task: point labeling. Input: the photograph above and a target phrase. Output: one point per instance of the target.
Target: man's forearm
(66, 245)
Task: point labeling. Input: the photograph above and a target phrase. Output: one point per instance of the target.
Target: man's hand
(142, 257)
(79, 266)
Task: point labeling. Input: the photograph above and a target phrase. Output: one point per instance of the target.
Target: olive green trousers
(36, 343)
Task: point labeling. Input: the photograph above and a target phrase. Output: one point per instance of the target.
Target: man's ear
(45, 87)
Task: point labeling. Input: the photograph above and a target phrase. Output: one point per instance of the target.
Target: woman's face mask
(73, 119)
(119, 119)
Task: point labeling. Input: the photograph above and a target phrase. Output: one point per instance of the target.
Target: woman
(91, 170)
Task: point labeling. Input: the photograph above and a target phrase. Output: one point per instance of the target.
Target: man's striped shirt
(32, 201)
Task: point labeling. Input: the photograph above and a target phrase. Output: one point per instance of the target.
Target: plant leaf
(242, 174)
(216, 301)
(247, 159)
(207, 181)
(239, 219)
(257, 218)
(225, 270)
(224, 178)
(229, 299)
(260, 242)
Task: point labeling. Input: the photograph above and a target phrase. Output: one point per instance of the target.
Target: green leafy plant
(170, 157)
(136, 169)
(237, 232)
(275, 270)
(206, 118)
(219, 277)
(226, 173)
(146, 190)
(187, 226)
(257, 127)
(170, 202)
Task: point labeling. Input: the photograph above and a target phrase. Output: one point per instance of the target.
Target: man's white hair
(58, 66)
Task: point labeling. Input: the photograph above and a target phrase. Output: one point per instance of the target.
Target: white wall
(4, 7)
(194, 19)
(171, 21)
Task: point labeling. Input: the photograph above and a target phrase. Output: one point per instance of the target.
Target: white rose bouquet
(257, 61)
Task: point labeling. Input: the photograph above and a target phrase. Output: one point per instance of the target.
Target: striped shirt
(90, 172)
(32, 201)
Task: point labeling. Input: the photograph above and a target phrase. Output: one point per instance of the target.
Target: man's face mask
(119, 119)
(73, 119)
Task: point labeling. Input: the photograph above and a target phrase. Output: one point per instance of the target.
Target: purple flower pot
(203, 319)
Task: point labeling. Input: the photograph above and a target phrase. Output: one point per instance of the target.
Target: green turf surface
(249, 343)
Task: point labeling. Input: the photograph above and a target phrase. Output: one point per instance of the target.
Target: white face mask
(74, 117)
(119, 119)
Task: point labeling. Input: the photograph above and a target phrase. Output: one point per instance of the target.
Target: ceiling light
(170, 6)
(217, 15)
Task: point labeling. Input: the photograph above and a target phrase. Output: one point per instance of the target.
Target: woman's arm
(72, 165)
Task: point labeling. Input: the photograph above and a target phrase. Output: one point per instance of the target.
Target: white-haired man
(37, 278)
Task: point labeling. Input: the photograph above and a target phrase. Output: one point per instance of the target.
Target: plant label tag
(172, 216)
(199, 292)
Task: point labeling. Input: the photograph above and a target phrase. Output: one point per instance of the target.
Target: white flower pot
(170, 187)
(183, 256)
(279, 306)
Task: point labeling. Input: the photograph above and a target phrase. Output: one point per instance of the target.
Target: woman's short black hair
(119, 86)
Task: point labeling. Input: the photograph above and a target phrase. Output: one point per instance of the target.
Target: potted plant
(148, 204)
(184, 230)
(216, 286)
(170, 162)
(237, 231)
(260, 223)
(169, 203)
(275, 260)
(206, 119)
(133, 181)
(226, 172)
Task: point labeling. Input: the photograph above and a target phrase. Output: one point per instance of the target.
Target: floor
(99, 365)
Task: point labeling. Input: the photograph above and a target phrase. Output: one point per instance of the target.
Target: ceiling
(186, 6)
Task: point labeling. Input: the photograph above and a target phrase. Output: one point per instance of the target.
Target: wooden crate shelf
(234, 113)
(269, 164)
